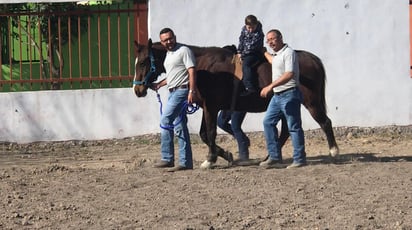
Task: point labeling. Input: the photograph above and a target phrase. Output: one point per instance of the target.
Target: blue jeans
(288, 105)
(249, 79)
(172, 116)
(235, 129)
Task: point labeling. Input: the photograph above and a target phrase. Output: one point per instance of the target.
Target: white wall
(79, 115)
(364, 45)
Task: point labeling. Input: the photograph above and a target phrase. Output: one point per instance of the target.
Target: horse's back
(213, 59)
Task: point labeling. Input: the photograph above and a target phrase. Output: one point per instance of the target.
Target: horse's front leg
(208, 135)
(206, 138)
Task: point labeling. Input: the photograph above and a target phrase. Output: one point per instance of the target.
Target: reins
(187, 108)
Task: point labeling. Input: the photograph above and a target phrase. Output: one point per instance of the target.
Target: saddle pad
(238, 66)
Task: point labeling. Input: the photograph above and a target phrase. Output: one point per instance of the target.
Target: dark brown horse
(217, 85)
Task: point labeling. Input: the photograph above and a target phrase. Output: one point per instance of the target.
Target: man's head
(167, 38)
(274, 39)
(251, 23)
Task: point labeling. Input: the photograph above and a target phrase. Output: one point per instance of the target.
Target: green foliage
(49, 15)
(54, 14)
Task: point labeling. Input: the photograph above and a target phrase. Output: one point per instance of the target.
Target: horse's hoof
(230, 159)
(334, 152)
(206, 165)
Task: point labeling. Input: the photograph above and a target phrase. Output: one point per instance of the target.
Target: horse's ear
(137, 46)
(150, 43)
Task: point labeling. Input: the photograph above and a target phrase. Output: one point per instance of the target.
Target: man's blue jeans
(172, 122)
(288, 105)
(235, 129)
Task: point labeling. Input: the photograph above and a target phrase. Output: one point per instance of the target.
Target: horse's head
(148, 66)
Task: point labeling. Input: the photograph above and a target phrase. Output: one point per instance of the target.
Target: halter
(151, 75)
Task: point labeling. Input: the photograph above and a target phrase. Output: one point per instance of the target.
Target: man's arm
(268, 56)
(156, 86)
(286, 76)
(193, 92)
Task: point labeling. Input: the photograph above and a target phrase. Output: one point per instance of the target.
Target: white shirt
(176, 64)
(285, 60)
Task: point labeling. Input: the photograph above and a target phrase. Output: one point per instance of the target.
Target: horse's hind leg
(284, 132)
(326, 124)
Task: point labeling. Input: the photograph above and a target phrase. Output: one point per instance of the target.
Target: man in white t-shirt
(181, 81)
(285, 102)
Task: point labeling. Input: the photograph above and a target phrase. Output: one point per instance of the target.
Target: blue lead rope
(187, 108)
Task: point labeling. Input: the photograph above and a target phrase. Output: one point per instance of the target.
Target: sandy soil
(111, 184)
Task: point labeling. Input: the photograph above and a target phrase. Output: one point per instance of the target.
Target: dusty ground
(111, 185)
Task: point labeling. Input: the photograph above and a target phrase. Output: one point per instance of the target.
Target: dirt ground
(111, 184)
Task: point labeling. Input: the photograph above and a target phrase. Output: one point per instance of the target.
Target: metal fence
(91, 47)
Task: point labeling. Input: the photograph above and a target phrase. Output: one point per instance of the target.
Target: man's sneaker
(242, 162)
(296, 165)
(178, 168)
(164, 164)
(269, 163)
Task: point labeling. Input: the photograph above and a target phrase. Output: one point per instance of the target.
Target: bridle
(151, 76)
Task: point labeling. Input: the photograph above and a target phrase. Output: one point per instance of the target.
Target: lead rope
(187, 108)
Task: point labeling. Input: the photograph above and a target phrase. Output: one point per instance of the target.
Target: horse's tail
(322, 83)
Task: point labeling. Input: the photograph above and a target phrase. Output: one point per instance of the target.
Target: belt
(284, 91)
(178, 87)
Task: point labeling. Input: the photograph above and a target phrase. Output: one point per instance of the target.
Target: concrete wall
(79, 115)
(364, 45)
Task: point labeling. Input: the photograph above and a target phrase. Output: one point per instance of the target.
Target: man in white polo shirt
(285, 102)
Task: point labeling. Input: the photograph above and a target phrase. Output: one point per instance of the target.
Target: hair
(251, 20)
(277, 32)
(167, 30)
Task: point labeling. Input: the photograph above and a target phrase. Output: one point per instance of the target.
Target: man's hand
(158, 85)
(265, 92)
(155, 86)
(194, 96)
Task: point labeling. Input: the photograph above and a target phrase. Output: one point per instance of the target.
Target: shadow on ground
(341, 159)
